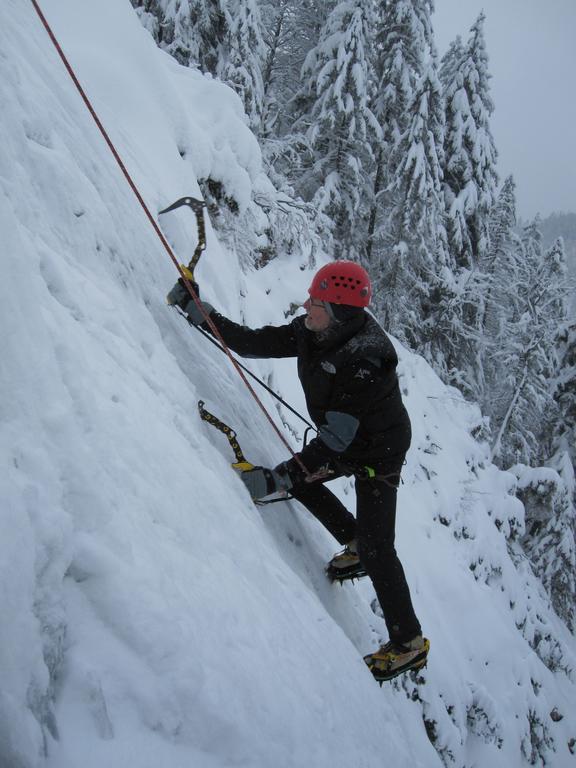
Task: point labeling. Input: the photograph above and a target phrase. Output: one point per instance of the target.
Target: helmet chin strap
(341, 313)
(328, 308)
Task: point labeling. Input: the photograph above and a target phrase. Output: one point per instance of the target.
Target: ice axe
(197, 207)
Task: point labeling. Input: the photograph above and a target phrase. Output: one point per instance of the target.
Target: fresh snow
(152, 616)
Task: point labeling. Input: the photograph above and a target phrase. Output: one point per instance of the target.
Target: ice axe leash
(187, 282)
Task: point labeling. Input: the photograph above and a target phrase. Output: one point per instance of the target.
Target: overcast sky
(532, 50)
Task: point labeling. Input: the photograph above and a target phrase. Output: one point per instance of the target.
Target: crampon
(345, 566)
(393, 659)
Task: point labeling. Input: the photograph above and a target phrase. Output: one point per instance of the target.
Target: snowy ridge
(151, 615)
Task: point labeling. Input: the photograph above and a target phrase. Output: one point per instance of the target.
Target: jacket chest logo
(328, 367)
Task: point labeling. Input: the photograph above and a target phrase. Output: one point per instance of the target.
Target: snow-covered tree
(193, 31)
(245, 55)
(498, 302)
(549, 538)
(565, 392)
(524, 411)
(502, 221)
(414, 258)
(277, 24)
(222, 37)
(450, 62)
(403, 40)
(470, 177)
(291, 30)
(470, 181)
(340, 125)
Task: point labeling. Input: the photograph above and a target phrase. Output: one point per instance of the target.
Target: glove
(179, 296)
(262, 482)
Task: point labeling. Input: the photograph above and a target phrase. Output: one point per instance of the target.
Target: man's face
(317, 318)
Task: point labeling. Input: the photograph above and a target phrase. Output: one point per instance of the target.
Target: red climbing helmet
(342, 282)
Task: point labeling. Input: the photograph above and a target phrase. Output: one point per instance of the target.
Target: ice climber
(347, 367)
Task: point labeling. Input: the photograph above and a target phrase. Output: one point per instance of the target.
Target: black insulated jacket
(350, 369)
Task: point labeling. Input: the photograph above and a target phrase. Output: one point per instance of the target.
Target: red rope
(163, 240)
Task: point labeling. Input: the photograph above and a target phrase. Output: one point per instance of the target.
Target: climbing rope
(263, 384)
(185, 279)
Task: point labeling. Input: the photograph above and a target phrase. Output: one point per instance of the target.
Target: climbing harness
(184, 273)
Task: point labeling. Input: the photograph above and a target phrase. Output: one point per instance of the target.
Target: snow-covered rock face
(151, 615)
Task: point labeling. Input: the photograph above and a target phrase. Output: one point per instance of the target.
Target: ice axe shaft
(197, 207)
(241, 464)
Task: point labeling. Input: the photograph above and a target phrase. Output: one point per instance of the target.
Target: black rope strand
(259, 381)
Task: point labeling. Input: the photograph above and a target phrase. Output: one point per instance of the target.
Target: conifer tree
(222, 37)
(277, 22)
(403, 40)
(451, 62)
(498, 303)
(525, 412)
(244, 57)
(209, 20)
(564, 437)
(339, 126)
(414, 260)
(502, 222)
(549, 540)
(193, 31)
(470, 176)
(291, 30)
(565, 393)
(470, 180)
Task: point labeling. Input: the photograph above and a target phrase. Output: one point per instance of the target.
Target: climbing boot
(394, 658)
(345, 566)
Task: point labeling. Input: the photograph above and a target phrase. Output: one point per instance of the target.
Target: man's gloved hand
(179, 296)
(262, 482)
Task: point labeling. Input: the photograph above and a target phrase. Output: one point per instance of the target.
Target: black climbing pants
(374, 530)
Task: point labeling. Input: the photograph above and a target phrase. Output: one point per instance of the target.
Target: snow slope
(151, 614)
